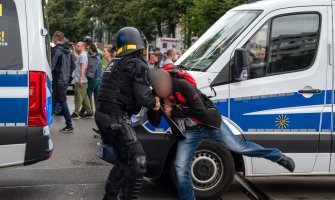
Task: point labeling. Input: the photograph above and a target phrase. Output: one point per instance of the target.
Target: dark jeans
(66, 114)
(195, 135)
(92, 91)
(59, 97)
(57, 109)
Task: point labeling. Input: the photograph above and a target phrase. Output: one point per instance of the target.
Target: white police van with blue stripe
(271, 64)
(25, 83)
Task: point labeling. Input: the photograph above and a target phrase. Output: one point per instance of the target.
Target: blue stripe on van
(13, 110)
(296, 122)
(13, 80)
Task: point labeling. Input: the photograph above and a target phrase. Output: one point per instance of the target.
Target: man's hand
(167, 109)
(80, 84)
(167, 102)
(158, 103)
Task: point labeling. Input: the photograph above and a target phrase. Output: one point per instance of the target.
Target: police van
(270, 66)
(25, 83)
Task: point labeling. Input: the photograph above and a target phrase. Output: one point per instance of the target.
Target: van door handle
(312, 91)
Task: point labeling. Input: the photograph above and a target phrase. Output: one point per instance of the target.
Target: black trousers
(126, 177)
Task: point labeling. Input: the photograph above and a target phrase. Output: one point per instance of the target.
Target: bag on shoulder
(92, 67)
(177, 72)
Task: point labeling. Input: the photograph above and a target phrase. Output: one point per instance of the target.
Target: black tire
(212, 171)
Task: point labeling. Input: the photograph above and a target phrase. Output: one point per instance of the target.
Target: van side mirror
(240, 65)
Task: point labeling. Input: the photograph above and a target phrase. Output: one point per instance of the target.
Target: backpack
(92, 67)
(177, 72)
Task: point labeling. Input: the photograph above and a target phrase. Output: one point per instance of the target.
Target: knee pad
(139, 164)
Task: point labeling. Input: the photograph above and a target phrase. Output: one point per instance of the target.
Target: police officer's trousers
(125, 179)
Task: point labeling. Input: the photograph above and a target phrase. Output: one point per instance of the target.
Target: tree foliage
(76, 18)
(70, 17)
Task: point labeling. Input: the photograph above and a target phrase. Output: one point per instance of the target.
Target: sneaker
(287, 163)
(82, 113)
(75, 116)
(88, 116)
(66, 130)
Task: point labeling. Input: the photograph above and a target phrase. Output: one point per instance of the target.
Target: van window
(290, 46)
(256, 48)
(10, 41)
(220, 36)
(293, 42)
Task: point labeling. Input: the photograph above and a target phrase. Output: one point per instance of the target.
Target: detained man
(183, 102)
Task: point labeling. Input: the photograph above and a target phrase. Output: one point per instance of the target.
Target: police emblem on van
(282, 121)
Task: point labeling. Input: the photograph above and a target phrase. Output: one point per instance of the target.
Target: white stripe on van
(10, 124)
(13, 124)
(20, 124)
(293, 110)
(14, 92)
(13, 72)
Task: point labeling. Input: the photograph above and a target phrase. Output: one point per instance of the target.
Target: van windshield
(218, 38)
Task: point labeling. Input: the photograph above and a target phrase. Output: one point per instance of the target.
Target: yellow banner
(0, 10)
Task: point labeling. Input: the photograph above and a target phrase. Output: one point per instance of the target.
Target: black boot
(287, 162)
(114, 182)
(107, 197)
(131, 188)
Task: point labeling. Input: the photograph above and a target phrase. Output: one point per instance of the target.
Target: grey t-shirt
(82, 58)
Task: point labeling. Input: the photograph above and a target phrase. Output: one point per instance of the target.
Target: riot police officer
(124, 90)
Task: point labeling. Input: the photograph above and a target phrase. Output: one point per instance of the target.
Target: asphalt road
(75, 173)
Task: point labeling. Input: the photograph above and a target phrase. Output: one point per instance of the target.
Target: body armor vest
(116, 90)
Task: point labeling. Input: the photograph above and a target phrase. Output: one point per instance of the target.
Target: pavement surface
(75, 173)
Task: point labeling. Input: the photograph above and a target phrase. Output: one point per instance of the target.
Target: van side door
(280, 103)
(14, 90)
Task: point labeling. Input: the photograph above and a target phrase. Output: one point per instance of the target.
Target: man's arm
(82, 73)
(82, 62)
(73, 64)
(55, 56)
(196, 105)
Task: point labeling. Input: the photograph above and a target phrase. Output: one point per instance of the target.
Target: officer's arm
(141, 87)
(154, 117)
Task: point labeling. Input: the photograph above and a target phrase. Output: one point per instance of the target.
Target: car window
(285, 44)
(222, 34)
(293, 42)
(257, 53)
(10, 40)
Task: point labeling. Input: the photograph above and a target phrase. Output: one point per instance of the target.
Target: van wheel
(212, 171)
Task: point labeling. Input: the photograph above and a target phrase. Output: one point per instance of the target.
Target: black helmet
(129, 40)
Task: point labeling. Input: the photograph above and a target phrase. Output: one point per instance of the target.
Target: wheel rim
(207, 170)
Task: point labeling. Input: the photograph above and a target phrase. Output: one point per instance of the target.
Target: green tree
(76, 17)
(70, 17)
